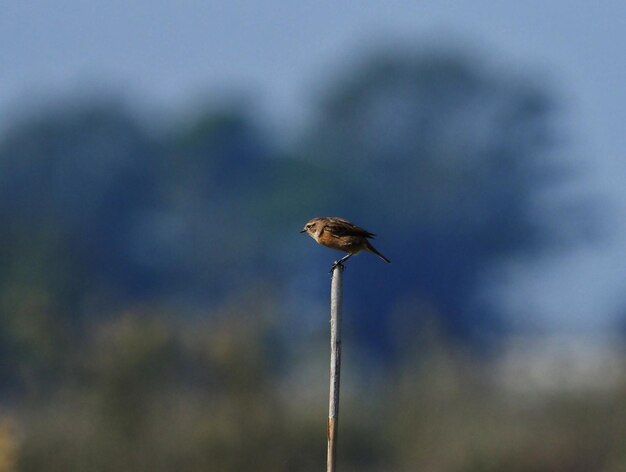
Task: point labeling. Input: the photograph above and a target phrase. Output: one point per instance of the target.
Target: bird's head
(311, 227)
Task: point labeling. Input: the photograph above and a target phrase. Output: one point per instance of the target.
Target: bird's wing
(341, 227)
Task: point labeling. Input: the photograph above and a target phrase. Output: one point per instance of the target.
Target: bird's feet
(337, 264)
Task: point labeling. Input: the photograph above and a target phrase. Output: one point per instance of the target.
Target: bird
(340, 234)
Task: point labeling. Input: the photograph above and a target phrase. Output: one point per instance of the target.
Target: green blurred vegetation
(148, 393)
(160, 311)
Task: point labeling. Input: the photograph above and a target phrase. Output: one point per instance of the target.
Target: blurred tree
(80, 176)
(208, 231)
(73, 183)
(98, 214)
(443, 158)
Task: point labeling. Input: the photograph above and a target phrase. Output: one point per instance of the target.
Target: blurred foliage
(8, 445)
(150, 393)
(446, 159)
(442, 157)
(449, 414)
(156, 299)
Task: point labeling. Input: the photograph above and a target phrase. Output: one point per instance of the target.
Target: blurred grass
(153, 394)
(8, 445)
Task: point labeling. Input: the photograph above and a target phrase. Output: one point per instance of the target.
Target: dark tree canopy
(443, 158)
(439, 156)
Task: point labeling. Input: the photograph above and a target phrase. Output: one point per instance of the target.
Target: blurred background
(159, 310)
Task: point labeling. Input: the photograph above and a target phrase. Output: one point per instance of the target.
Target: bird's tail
(372, 249)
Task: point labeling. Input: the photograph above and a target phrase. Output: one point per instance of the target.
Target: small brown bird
(337, 233)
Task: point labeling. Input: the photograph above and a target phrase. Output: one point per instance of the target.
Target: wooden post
(335, 365)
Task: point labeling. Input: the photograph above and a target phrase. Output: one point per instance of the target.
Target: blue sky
(279, 54)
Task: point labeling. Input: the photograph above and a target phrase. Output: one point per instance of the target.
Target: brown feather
(340, 234)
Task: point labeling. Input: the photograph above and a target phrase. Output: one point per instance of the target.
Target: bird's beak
(303, 231)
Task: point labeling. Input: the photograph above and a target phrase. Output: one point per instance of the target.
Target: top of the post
(336, 269)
